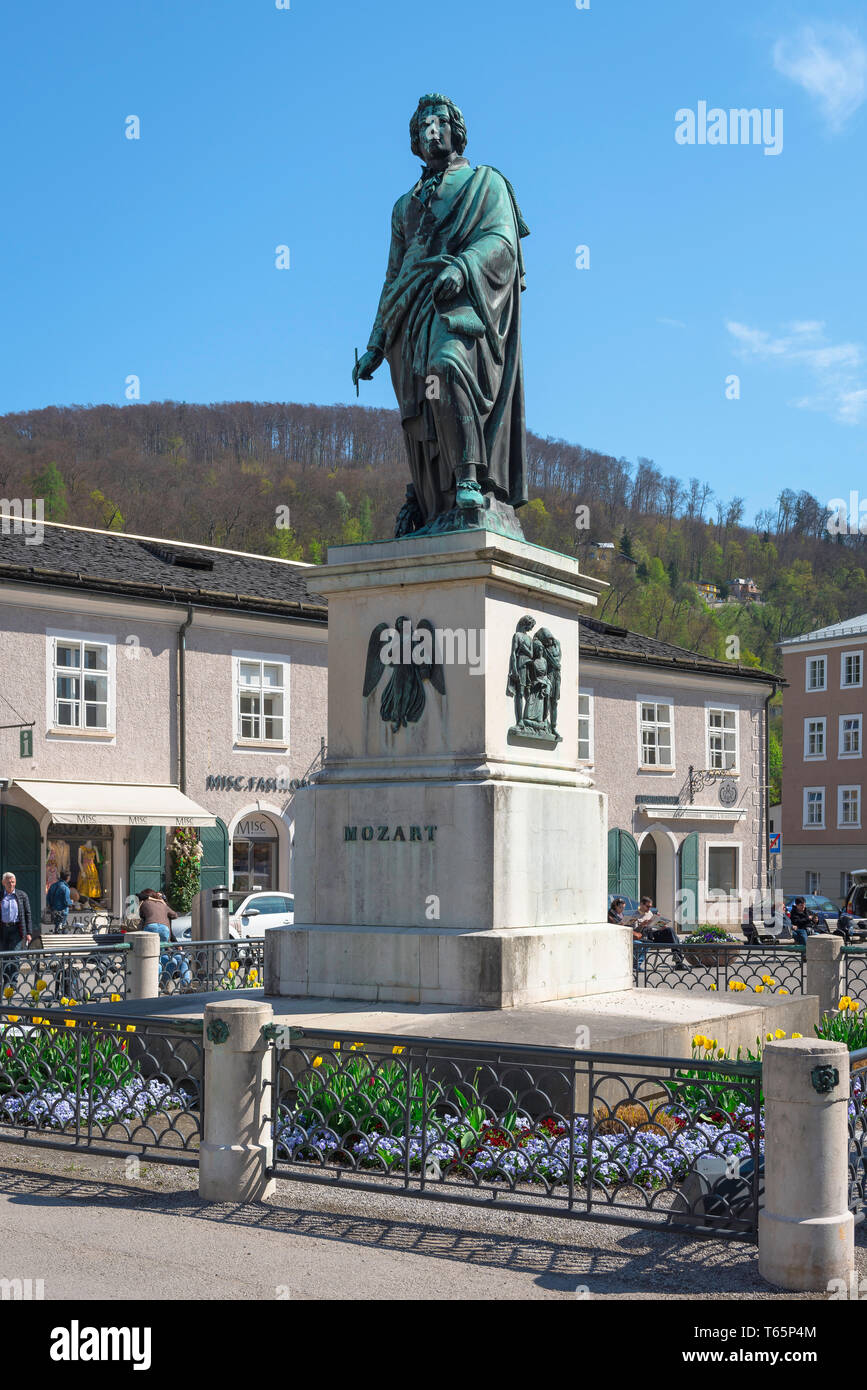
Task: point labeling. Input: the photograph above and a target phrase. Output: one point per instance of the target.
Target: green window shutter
(688, 913)
(20, 854)
(147, 857)
(622, 864)
(628, 865)
(214, 867)
(613, 861)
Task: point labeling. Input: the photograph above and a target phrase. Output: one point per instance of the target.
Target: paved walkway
(91, 1231)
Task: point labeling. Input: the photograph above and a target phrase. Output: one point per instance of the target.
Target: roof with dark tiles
(166, 571)
(606, 642)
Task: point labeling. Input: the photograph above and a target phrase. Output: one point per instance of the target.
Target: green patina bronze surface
(534, 683)
(449, 325)
(395, 650)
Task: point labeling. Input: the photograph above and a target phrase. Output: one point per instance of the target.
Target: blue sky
(263, 127)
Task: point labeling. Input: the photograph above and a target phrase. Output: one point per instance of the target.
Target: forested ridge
(289, 480)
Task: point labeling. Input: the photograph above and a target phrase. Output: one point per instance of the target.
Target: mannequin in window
(88, 883)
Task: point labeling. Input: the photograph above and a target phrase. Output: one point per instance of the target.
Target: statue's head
(437, 128)
(525, 623)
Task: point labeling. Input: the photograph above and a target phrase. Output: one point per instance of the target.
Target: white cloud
(830, 62)
(672, 323)
(837, 369)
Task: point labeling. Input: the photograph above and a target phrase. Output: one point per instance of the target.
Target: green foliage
(37, 1055)
(775, 761)
(51, 487)
(187, 852)
(848, 1025)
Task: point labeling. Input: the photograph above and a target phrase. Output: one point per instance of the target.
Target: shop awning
(109, 803)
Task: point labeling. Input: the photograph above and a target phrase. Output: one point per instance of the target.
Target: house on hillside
(711, 593)
(744, 591)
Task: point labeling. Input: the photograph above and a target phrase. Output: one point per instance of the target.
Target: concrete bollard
(237, 1150)
(806, 1231)
(142, 965)
(824, 972)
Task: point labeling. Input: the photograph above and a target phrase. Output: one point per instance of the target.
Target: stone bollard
(806, 1231)
(824, 972)
(237, 1150)
(142, 965)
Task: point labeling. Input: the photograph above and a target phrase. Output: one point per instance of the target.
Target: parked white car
(255, 913)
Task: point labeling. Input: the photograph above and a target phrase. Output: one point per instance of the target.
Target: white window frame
(813, 825)
(80, 732)
(251, 744)
(815, 888)
(734, 899)
(844, 657)
(815, 689)
(816, 757)
(661, 768)
(587, 691)
(840, 751)
(713, 706)
(848, 824)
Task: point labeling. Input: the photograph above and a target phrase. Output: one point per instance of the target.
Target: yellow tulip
(115, 999)
(770, 1037)
(337, 1047)
(781, 990)
(8, 992)
(780, 1033)
(13, 1018)
(397, 1049)
(70, 1022)
(697, 1040)
(854, 1005)
(797, 1035)
(317, 1061)
(721, 1052)
(844, 1002)
(130, 1027)
(40, 984)
(713, 1043)
(233, 965)
(713, 987)
(760, 989)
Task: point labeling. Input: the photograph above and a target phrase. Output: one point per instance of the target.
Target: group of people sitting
(644, 928)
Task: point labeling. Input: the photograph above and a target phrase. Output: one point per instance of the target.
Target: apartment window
(849, 808)
(814, 738)
(845, 884)
(656, 734)
(812, 881)
(261, 701)
(851, 667)
(849, 745)
(585, 726)
(722, 869)
(722, 739)
(814, 806)
(80, 684)
(817, 673)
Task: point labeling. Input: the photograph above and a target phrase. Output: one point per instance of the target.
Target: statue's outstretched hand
(448, 283)
(366, 366)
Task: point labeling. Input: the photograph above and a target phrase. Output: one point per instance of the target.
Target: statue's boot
(467, 490)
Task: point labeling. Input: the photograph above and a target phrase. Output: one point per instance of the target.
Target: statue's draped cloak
(471, 343)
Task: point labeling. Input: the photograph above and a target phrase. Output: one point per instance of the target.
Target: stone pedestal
(452, 858)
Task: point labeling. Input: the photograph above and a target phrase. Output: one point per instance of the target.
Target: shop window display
(85, 852)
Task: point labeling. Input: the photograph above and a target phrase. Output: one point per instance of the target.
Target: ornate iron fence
(127, 1087)
(775, 969)
(84, 974)
(855, 964)
(208, 965)
(858, 1134)
(647, 1141)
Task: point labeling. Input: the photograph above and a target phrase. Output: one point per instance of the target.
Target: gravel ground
(147, 1235)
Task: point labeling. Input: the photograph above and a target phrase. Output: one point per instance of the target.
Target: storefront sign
(219, 783)
(255, 828)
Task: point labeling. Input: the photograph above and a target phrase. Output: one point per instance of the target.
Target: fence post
(824, 973)
(237, 1150)
(806, 1231)
(142, 965)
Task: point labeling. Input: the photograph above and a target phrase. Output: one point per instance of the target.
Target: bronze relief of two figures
(534, 681)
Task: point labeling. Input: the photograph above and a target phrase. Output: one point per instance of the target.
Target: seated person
(615, 912)
(155, 915)
(642, 930)
(805, 923)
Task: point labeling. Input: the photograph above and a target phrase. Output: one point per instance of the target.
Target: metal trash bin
(210, 915)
